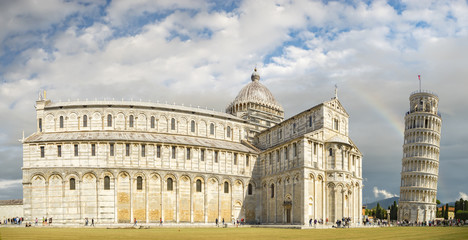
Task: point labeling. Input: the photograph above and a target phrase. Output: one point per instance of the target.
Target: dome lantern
(255, 76)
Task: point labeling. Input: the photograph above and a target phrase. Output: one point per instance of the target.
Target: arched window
(173, 124)
(109, 120)
(85, 120)
(212, 129)
(272, 187)
(226, 187)
(139, 183)
(198, 185)
(228, 132)
(106, 183)
(130, 121)
(169, 184)
(72, 184)
(61, 121)
(192, 126)
(40, 124)
(330, 152)
(249, 189)
(152, 122)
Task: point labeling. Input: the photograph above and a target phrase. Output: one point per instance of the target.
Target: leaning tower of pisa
(420, 163)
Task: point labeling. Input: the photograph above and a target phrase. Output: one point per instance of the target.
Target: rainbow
(376, 103)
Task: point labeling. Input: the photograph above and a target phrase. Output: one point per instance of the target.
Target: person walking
(134, 222)
(92, 222)
(160, 221)
(310, 222)
(217, 222)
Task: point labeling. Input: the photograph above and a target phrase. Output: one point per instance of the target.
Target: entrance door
(288, 215)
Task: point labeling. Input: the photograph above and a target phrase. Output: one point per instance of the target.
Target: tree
(459, 205)
(394, 211)
(378, 212)
(446, 211)
(437, 207)
(443, 211)
(462, 215)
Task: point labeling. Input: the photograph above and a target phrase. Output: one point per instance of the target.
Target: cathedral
(120, 161)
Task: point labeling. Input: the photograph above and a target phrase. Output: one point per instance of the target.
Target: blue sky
(203, 52)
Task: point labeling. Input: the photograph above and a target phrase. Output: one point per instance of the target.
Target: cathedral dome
(255, 92)
(256, 104)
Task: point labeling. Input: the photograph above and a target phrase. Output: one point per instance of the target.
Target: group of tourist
(45, 221)
(217, 222)
(344, 222)
(235, 222)
(15, 220)
(432, 223)
(92, 222)
(317, 221)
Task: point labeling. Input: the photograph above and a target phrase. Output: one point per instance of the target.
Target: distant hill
(384, 203)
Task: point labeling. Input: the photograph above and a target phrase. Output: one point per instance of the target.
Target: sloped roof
(11, 202)
(110, 136)
(338, 139)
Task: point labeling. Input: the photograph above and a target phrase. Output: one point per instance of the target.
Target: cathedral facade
(117, 161)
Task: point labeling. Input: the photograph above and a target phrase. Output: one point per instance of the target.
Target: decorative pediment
(336, 105)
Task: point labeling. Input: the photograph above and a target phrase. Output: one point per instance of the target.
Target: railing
(424, 91)
(429, 111)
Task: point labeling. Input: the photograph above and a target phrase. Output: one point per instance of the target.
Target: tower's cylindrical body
(420, 163)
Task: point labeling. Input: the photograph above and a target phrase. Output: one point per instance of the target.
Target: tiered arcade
(420, 163)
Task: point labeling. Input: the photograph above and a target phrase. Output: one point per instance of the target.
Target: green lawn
(235, 233)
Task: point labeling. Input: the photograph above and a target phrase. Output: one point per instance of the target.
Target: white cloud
(463, 195)
(384, 193)
(4, 184)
